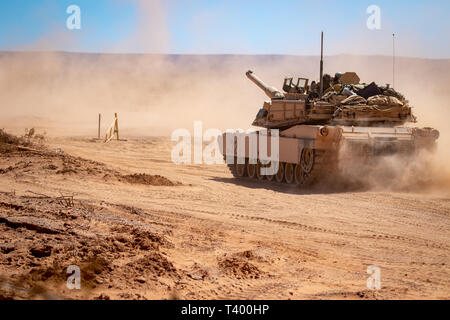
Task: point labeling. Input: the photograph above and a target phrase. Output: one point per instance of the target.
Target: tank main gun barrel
(271, 92)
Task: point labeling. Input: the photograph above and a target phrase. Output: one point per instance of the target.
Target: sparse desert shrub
(29, 138)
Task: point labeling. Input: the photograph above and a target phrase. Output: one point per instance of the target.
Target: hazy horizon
(219, 54)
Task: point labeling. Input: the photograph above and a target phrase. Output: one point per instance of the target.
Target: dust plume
(422, 172)
(152, 33)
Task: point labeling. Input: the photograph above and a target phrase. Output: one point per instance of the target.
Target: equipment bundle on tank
(342, 103)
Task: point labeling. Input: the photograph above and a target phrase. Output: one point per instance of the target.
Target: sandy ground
(201, 234)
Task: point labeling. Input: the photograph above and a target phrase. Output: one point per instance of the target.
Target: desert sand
(201, 234)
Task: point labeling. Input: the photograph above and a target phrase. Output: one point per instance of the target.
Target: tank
(320, 125)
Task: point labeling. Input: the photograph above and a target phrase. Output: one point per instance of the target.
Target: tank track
(325, 164)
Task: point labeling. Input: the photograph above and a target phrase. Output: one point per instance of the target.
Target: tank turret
(345, 101)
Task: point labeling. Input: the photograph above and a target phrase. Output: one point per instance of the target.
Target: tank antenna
(321, 67)
(393, 60)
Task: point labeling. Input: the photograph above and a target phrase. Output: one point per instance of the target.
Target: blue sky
(227, 26)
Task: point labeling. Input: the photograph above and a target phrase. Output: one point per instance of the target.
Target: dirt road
(211, 236)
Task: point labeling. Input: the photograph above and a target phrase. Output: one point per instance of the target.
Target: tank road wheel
(241, 169)
(289, 173)
(258, 171)
(279, 177)
(251, 170)
(272, 176)
(299, 175)
(307, 160)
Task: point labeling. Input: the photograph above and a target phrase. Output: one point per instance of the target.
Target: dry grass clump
(29, 138)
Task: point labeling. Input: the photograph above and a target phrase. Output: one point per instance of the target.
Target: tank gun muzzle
(271, 92)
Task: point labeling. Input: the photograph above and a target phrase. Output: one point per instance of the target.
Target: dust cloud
(423, 172)
(155, 94)
(63, 93)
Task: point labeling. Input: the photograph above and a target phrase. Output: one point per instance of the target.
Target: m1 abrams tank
(323, 124)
